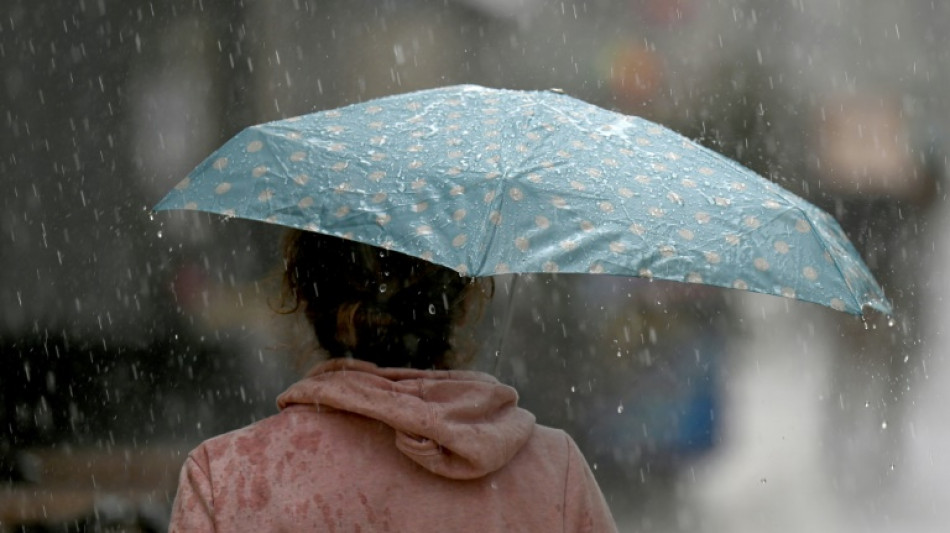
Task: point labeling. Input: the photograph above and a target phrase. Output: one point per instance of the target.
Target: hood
(457, 424)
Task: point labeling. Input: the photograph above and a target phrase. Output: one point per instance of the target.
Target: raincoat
(356, 447)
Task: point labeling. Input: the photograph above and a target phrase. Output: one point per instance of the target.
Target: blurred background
(127, 338)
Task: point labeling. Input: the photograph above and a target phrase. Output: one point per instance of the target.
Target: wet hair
(376, 305)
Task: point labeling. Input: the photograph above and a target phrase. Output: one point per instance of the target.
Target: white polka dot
(637, 229)
(378, 198)
(502, 268)
(420, 207)
(642, 179)
(191, 205)
(740, 284)
(686, 234)
(751, 222)
(761, 264)
(688, 183)
(259, 171)
(183, 184)
(559, 202)
(297, 157)
(802, 226)
(522, 244)
(706, 171)
(418, 184)
(254, 146)
(339, 166)
(305, 202)
(426, 255)
(460, 240)
(626, 193)
(694, 277)
(229, 213)
(377, 156)
(342, 211)
(675, 198)
(424, 230)
(737, 186)
(577, 186)
(771, 204)
(722, 202)
(220, 163)
(838, 304)
(516, 194)
(712, 257)
(457, 190)
(462, 270)
(568, 245)
(489, 197)
(606, 207)
(301, 179)
(414, 164)
(266, 195)
(788, 292)
(667, 251)
(617, 247)
(549, 267)
(596, 268)
(495, 217)
(587, 225)
(383, 219)
(655, 212)
(734, 240)
(377, 175)
(702, 217)
(781, 247)
(645, 273)
(810, 273)
(459, 215)
(534, 177)
(222, 188)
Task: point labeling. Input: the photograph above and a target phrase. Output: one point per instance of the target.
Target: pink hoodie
(357, 448)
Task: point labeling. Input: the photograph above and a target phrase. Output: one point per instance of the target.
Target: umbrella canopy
(490, 181)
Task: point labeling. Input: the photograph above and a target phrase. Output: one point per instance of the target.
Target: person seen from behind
(388, 434)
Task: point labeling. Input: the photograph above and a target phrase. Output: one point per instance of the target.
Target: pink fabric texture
(358, 448)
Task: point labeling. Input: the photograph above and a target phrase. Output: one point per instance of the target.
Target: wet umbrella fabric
(490, 181)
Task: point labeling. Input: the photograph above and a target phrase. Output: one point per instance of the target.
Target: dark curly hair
(377, 305)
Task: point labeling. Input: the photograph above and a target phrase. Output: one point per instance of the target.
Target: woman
(385, 435)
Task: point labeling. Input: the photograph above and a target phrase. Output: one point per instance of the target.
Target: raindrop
(382, 287)
(890, 321)
(884, 425)
(431, 309)
(159, 234)
(620, 409)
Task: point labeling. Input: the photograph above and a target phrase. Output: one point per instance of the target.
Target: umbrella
(489, 181)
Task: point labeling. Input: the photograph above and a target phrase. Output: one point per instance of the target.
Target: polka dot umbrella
(490, 181)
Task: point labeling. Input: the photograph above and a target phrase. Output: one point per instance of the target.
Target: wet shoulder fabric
(361, 448)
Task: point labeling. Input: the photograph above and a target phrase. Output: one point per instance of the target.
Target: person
(388, 434)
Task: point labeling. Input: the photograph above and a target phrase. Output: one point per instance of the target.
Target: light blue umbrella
(490, 181)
